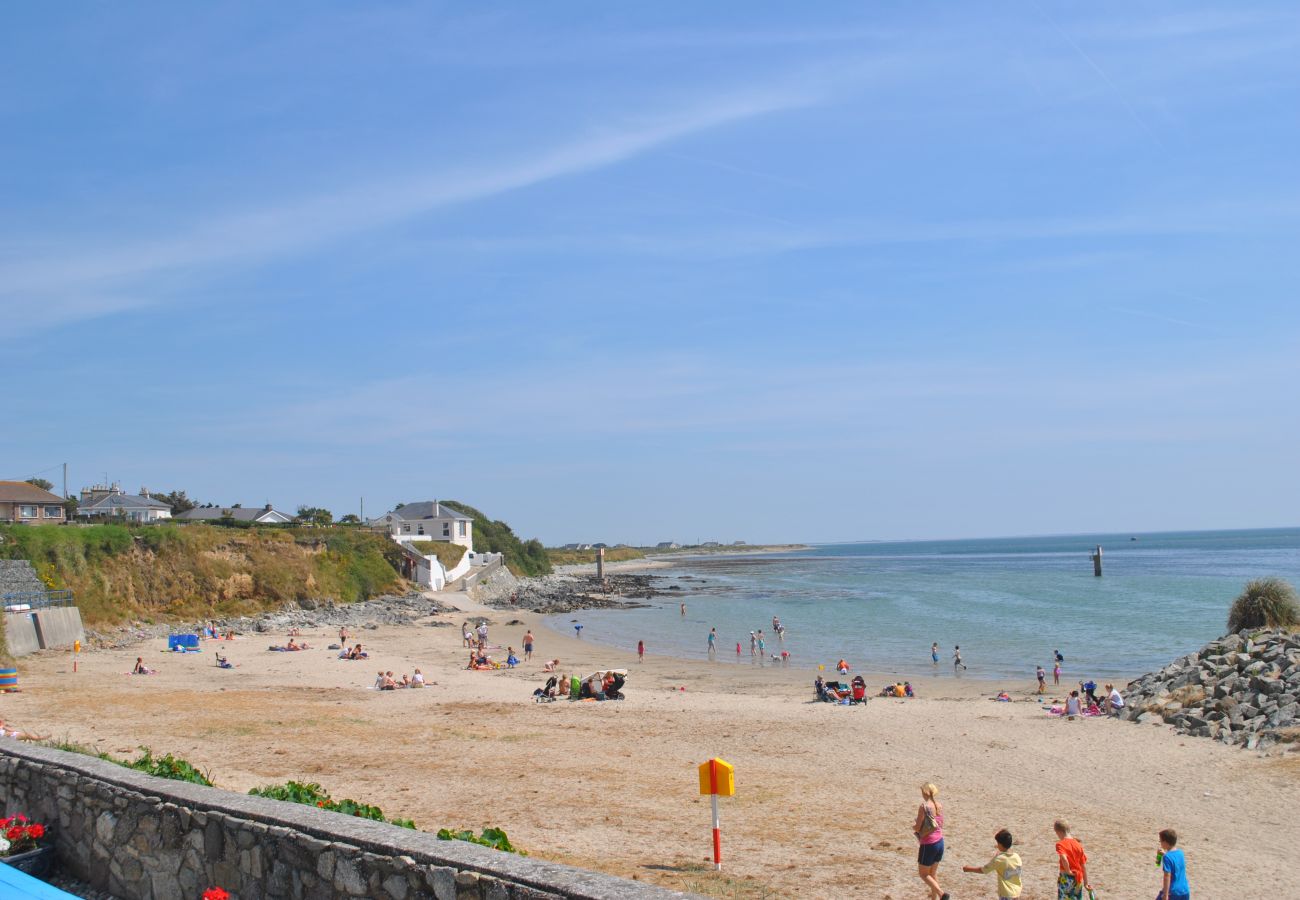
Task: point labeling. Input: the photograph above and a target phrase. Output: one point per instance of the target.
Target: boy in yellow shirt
(1006, 864)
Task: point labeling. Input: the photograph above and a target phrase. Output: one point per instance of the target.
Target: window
(462, 529)
(54, 512)
(406, 529)
(446, 529)
(27, 512)
(419, 529)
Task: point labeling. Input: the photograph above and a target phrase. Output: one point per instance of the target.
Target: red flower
(215, 893)
(36, 831)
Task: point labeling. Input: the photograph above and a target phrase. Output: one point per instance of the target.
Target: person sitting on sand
(141, 668)
(1115, 701)
(223, 663)
(294, 632)
(551, 665)
(9, 731)
(595, 686)
(842, 667)
(1003, 697)
(291, 645)
(908, 691)
(389, 683)
(417, 680)
(564, 685)
(1072, 706)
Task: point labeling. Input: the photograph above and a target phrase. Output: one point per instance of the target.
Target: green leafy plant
(1265, 603)
(491, 837)
(167, 766)
(309, 793)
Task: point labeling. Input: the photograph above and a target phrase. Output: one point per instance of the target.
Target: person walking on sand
(928, 829)
(1173, 866)
(577, 629)
(640, 651)
(1042, 681)
(1072, 877)
(956, 659)
(713, 642)
(934, 653)
(528, 645)
(1005, 863)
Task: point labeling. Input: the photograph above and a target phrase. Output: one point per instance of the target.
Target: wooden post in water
(1096, 562)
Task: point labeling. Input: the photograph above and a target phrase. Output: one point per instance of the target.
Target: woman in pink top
(928, 829)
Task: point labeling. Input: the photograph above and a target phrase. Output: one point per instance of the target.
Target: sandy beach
(825, 794)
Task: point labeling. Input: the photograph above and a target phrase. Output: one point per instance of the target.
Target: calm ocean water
(1009, 602)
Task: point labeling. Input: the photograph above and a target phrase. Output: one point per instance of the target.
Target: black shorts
(930, 854)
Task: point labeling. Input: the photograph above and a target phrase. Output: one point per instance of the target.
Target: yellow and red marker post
(76, 652)
(717, 778)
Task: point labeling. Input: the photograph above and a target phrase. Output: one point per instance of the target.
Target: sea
(1009, 603)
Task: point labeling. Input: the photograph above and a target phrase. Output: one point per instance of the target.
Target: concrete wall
(20, 634)
(59, 626)
(145, 838)
(43, 629)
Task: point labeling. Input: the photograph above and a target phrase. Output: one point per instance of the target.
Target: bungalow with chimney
(30, 505)
(261, 515)
(109, 501)
(427, 520)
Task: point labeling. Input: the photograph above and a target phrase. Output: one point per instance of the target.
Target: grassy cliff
(161, 571)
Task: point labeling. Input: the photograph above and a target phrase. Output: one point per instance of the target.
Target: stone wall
(17, 575)
(145, 838)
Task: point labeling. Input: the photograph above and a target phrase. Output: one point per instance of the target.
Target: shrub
(168, 766)
(1265, 603)
(310, 793)
(491, 837)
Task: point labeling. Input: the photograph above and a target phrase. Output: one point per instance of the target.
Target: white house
(427, 520)
(109, 501)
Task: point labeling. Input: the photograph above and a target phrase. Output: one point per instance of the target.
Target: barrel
(8, 680)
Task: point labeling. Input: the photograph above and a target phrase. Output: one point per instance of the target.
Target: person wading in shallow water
(956, 659)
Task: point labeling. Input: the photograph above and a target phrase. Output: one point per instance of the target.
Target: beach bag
(928, 826)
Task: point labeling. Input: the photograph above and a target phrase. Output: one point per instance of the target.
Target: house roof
(113, 502)
(426, 509)
(239, 514)
(22, 492)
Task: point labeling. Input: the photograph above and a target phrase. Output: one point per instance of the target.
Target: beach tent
(185, 642)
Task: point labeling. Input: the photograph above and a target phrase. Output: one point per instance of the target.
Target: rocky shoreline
(1241, 689)
(550, 594)
(390, 609)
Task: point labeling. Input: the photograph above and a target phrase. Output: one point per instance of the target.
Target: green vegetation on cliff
(120, 572)
(448, 554)
(522, 557)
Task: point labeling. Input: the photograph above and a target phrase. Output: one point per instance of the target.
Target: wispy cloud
(68, 284)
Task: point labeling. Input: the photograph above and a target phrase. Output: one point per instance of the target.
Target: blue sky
(639, 273)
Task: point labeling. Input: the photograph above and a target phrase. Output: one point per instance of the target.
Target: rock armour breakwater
(1241, 689)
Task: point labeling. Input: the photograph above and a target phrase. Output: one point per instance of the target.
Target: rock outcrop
(1241, 689)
